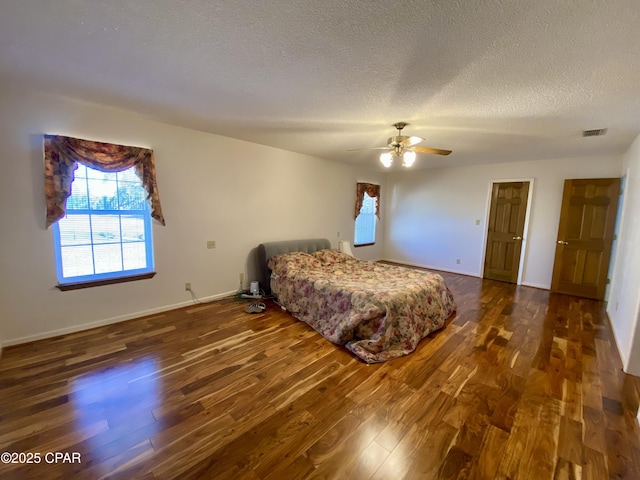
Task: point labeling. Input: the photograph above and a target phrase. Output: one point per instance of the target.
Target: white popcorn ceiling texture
(494, 81)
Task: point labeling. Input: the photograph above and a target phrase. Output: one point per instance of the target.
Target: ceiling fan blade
(437, 151)
(403, 140)
(409, 142)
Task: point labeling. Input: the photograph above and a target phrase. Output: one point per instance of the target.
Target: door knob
(517, 238)
(562, 242)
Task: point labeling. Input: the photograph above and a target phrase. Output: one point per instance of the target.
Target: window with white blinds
(365, 229)
(106, 232)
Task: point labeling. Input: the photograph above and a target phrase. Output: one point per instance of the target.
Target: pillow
(292, 260)
(328, 257)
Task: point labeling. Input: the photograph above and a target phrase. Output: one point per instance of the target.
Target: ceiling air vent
(594, 133)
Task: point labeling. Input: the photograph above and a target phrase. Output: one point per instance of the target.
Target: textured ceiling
(494, 81)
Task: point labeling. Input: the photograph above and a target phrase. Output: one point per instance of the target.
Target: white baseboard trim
(461, 272)
(109, 321)
(624, 359)
(535, 285)
(431, 267)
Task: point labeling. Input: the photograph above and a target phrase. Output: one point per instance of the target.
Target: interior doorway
(585, 236)
(616, 233)
(506, 230)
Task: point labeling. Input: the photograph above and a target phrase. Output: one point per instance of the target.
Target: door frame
(609, 228)
(525, 234)
(616, 237)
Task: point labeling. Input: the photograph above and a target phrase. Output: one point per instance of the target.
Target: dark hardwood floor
(521, 384)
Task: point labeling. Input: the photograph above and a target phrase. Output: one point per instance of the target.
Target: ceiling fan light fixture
(386, 159)
(404, 146)
(408, 158)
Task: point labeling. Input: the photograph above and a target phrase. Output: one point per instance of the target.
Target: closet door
(585, 236)
(506, 226)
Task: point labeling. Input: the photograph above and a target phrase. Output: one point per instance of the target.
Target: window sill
(364, 244)
(109, 281)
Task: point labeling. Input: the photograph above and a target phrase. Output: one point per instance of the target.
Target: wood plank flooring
(520, 384)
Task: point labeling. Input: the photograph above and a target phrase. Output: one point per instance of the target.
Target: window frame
(106, 278)
(375, 221)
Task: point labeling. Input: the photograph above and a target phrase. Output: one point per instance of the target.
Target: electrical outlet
(477, 222)
(187, 286)
(458, 261)
(211, 244)
(338, 234)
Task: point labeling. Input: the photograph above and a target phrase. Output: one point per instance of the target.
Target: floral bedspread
(377, 311)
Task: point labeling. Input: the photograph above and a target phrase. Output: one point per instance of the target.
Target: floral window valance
(370, 189)
(61, 158)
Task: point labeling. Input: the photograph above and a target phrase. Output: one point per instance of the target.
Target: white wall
(431, 214)
(211, 188)
(624, 299)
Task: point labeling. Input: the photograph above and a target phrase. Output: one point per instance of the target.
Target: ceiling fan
(403, 146)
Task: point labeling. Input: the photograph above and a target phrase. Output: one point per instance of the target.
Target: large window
(365, 230)
(106, 232)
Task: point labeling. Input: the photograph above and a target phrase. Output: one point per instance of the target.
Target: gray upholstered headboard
(269, 249)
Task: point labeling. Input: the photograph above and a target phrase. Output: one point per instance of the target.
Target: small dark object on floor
(257, 307)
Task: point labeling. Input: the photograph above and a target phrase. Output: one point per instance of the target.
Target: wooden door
(585, 235)
(505, 231)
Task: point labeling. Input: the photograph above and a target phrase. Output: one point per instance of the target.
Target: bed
(376, 311)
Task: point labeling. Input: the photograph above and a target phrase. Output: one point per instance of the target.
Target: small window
(365, 231)
(106, 232)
